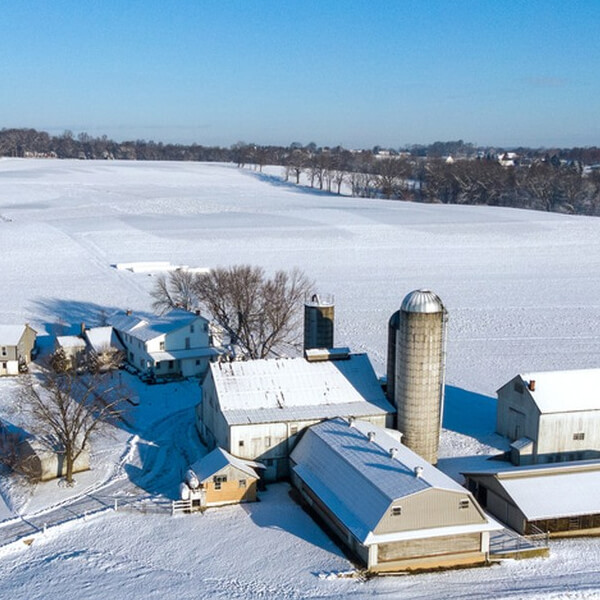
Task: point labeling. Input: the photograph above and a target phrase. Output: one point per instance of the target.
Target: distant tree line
(452, 172)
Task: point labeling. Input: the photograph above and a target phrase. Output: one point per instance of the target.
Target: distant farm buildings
(551, 416)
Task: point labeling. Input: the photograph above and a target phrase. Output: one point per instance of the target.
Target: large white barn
(551, 416)
(255, 409)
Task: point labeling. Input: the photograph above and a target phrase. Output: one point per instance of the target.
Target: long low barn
(384, 503)
(560, 499)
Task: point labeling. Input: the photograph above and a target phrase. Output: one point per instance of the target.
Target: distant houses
(256, 409)
(551, 416)
(17, 343)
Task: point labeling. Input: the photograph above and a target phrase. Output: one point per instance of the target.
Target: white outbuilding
(551, 416)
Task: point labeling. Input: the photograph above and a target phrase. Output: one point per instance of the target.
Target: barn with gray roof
(384, 503)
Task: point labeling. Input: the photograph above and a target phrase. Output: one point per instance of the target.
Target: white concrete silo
(416, 370)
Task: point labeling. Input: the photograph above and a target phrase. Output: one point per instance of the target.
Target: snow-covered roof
(273, 390)
(182, 354)
(552, 491)
(218, 459)
(70, 341)
(565, 391)
(11, 334)
(102, 338)
(145, 330)
(357, 477)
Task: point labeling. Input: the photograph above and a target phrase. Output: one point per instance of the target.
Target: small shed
(560, 499)
(17, 343)
(73, 347)
(220, 478)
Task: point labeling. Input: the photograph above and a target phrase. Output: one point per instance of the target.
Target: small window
(463, 504)
(218, 480)
(4, 365)
(242, 483)
(268, 441)
(158, 366)
(396, 511)
(3, 350)
(187, 343)
(241, 443)
(205, 327)
(170, 364)
(197, 362)
(161, 345)
(579, 436)
(192, 328)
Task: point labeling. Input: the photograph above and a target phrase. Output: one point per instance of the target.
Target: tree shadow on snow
(296, 187)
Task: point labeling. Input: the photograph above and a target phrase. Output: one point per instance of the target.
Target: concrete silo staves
(416, 369)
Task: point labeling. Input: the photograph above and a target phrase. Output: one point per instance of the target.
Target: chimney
(393, 452)
(128, 312)
(418, 472)
(371, 435)
(351, 422)
(531, 385)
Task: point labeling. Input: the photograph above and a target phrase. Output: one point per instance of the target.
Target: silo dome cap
(422, 301)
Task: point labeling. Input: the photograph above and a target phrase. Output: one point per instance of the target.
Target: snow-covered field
(522, 289)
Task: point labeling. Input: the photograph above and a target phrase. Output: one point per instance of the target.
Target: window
(579, 436)
(3, 350)
(170, 364)
(197, 362)
(4, 365)
(268, 441)
(396, 511)
(158, 366)
(192, 328)
(205, 327)
(241, 443)
(161, 345)
(463, 504)
(242, 483)
(187, 343)
(218, 480)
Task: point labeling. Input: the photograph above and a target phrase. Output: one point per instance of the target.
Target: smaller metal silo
(318, 321)
(393, 325)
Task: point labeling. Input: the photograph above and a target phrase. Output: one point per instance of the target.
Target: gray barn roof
(294, 389)
(358, 479)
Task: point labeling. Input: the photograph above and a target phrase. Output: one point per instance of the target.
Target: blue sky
(348, 72)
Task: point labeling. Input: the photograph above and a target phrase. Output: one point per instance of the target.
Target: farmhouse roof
(70, 341)
(10, 335)
(273, 390)
(145, 329)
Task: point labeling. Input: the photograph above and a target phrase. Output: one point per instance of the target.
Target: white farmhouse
(255, 409)
(178, 343)
(551, 416)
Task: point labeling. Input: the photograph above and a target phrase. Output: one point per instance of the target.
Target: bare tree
(176, 290)
(262, 315)
(68, 407)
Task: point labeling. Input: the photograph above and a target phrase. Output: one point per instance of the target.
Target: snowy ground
(522, 292)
